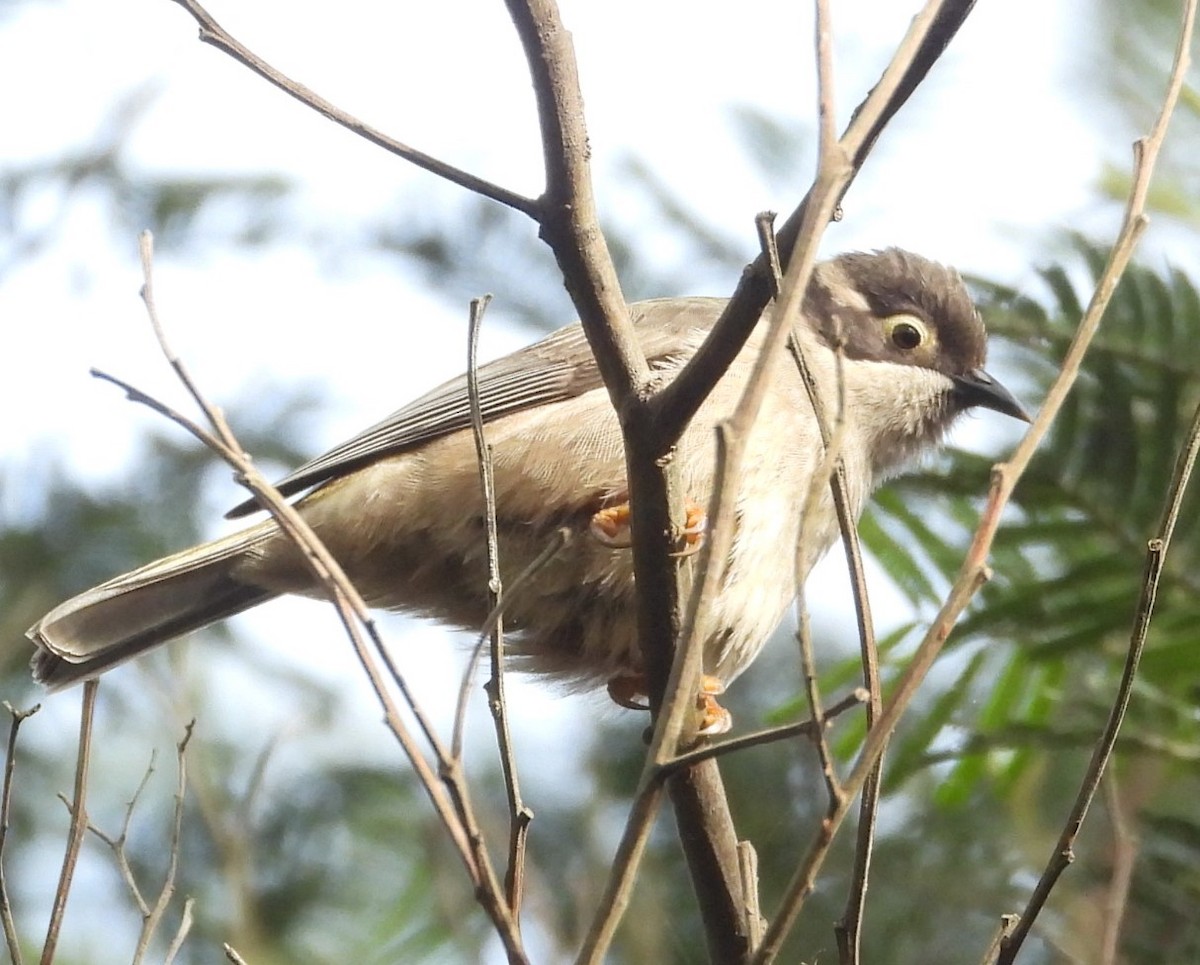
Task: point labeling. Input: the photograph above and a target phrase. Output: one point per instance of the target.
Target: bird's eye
(907, 332)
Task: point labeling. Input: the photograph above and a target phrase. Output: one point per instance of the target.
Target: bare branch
(168, 887)
(152, 916)
(214, 34)
(10, 768)
(1156, 552)
(927, 38)
(79, 821)
(569, 224)
(232, 955)
(1125, 850)
(520, 815)
(186, 920)
(117, 846)
(1003, 930)
(808, 728)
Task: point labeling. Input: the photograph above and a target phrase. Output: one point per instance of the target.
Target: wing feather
(560, 366)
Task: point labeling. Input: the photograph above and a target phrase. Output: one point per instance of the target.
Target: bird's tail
(113, 622)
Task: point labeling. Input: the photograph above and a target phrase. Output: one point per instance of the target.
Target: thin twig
(117, 845)
(561, 539)
(519, 815)
(927, 38)
(452, 773)
(1156, 552)
(1125, 849)
(495, 588)
(152, 916)
(856, 698)
(214, 34)
(831, 438)
(168, 886)
(1145, 154)
(1003, 930)
(10, 767)
(232, 955)
(79, 821)
(186, 920)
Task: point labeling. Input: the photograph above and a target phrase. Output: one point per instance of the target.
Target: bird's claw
(611, 527)
(629, 690)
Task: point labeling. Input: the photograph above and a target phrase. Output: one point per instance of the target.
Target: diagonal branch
(79, 821)
(217, 36)
(1156, 552)
(927, 38)
(10, 767)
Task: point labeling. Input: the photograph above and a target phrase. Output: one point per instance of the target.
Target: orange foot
(629, 690)
(610, 526)
(714, 719)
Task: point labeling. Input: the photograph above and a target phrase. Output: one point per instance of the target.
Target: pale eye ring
(906, 332)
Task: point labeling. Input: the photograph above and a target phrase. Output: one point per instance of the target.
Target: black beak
(977, 388)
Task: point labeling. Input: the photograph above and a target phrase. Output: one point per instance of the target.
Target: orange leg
(629, 690)
(714, 719)
(610, 526)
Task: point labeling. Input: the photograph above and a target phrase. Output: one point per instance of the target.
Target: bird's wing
(560, 366)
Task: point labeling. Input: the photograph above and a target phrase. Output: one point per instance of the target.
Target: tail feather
(130, 614)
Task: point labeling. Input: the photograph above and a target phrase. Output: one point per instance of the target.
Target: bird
(400, 506)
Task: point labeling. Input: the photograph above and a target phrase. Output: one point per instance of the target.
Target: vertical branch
(79, 821)
(1124, 847)
(567, 209)
(830, 440)
(10, 767)
(519, 814)
(848, 929)
(168, 886)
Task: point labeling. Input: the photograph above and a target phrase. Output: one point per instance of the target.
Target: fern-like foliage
(1036, 659)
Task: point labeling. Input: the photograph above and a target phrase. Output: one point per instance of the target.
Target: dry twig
(519, 814)
(79, 821)
(152, 915)
(1124, 849)
(566, 214)
(10, 767)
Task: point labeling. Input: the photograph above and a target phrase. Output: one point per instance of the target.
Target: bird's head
(913, 343)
